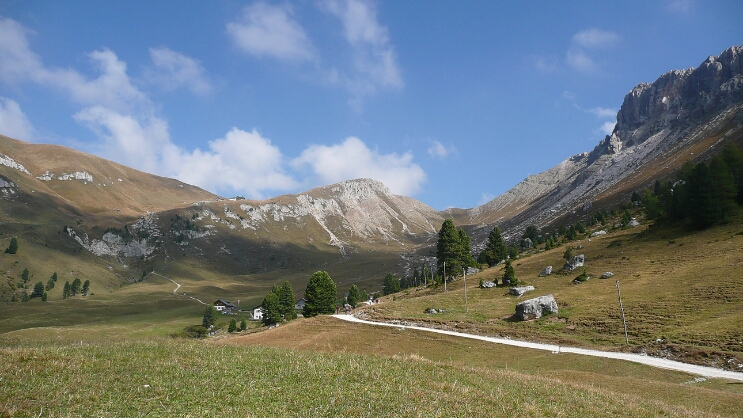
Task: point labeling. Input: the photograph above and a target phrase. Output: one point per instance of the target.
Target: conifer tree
(38, 290)
(86, 288)
(13, 247)
(232, 327)
(24, 275)
(353, 296)
(243, 325)
(320, 295)
(286, 301)
(509, 275)
(390, 285)
(75, 287)
(454, 249)
(66, 290)
(210, 316)
(495, 249)
(49, 285)
(270, 309)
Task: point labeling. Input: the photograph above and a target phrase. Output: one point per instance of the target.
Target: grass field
(191, 378)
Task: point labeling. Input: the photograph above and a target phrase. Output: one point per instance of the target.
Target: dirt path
(177, 286)
(709, 372)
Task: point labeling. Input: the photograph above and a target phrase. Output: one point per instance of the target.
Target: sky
(449, 102)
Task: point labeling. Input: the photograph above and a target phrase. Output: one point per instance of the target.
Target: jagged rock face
(680, 96)
(657, 123)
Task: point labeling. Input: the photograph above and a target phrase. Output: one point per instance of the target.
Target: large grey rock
(634, 223)
(472, 270)
(546, 272)
(535, 308)
(598, 233)
(488, 285)
(518, 291)
(527, 243)
(576, 262)
(607, 274)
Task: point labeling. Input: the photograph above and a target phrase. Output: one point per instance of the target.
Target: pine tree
(13, 247)
(320, 295)
(495, 249)
(626, 218)
(243, 325)
(509, 275)
(286, 301)
(24, 276)
(270, 309)
(44, 297)
(66, 290)
(233, 326)
(54, 277)
(49, 285)
(353, 296)
(210, 316)
(38, 290)
(75, 287)
(390, 285)
(24, 297)
(86, 288)
(454, 249)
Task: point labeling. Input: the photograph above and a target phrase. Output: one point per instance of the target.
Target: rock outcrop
(535, 308)
(518, 291)
(576, 262)
(546, 272)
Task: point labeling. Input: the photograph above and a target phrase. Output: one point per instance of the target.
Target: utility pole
(626, 338)
(444, 276)
(466, 308)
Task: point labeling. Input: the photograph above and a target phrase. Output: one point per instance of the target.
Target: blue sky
(452, 103)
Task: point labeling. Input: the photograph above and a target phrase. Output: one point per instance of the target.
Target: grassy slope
(180, 378)
(680, 287)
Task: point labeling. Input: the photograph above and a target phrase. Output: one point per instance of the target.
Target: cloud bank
(129, 130)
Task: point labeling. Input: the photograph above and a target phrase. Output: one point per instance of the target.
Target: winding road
(708, 372)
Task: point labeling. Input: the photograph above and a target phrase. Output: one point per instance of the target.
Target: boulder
(535, 308)
(518, 291)
(527, 243)
(488, 285)
(597, 233)
(607, 274)
(546, 272)
(431, 311)
(472, 270)
(634, 222)
(576, 262)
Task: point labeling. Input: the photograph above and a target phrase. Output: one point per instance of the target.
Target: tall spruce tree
(454, 249)
(38, 290)
(390, 284)
(209, 317)
(495, 249)
(286, 301)
(13, 247)
(353, 296)
(320, 295)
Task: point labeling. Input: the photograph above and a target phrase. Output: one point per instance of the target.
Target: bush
(196, 331)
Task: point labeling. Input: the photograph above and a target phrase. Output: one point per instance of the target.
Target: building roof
(225, 303)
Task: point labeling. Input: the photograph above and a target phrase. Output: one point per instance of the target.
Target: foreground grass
(192, 378)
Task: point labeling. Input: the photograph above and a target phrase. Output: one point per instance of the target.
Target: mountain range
(72, 201)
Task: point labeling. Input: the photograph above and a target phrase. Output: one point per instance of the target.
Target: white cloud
(375, 62)
(580, 61)
(172, 70)
(594, 38)
(243, 162)
(602, 112)
(266, 30)
(438, 150)
(607, 128)
(353, 159)
(13, 122)
(682, 7)
(568, 95)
